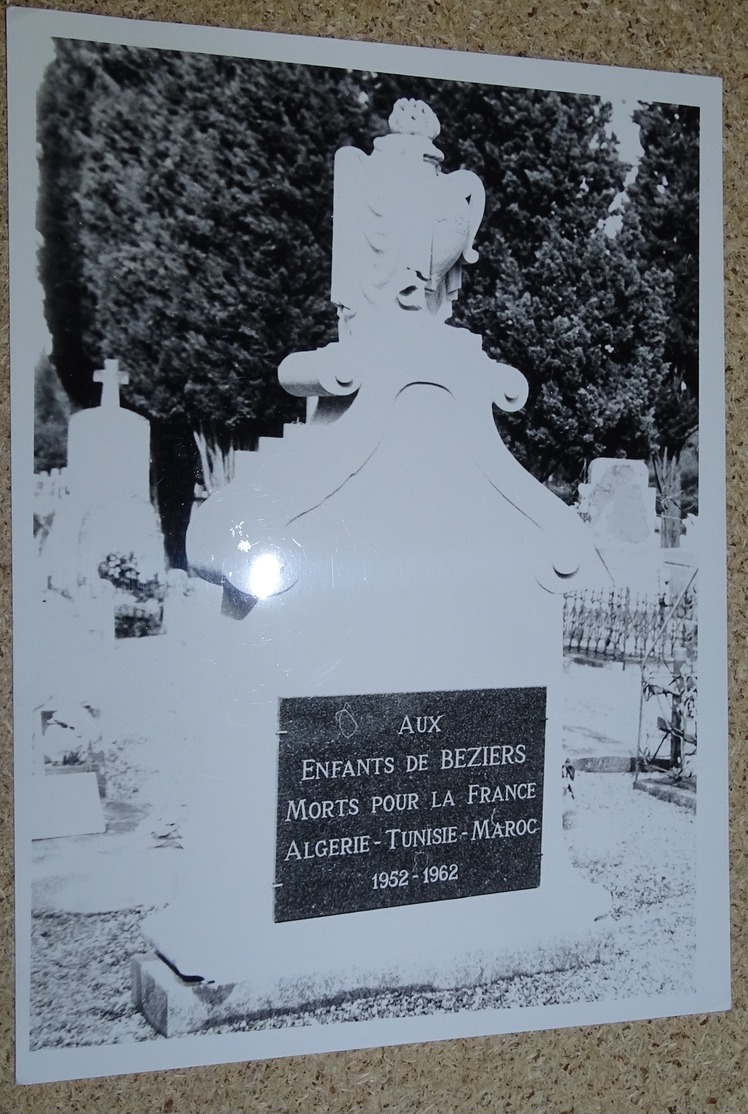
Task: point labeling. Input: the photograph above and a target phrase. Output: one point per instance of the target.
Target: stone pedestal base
(178, 1007)
(446, 945)
(173, 1006)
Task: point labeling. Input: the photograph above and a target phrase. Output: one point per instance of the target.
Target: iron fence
(620, 625)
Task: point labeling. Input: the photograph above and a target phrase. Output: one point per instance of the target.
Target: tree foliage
(187, 224)
(186, 215)
(554, 293)
(661, 232)
(186, 211)
(51, 414)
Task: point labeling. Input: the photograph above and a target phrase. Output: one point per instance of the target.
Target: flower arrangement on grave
(138, 596)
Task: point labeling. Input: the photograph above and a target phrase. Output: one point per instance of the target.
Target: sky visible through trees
(186, 215)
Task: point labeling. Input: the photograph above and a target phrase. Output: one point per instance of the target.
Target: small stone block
(172, 1006)
(606, 764)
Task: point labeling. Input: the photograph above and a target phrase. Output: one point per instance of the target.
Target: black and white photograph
(368, 516)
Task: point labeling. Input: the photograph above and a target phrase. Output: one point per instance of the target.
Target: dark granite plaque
(403, 798)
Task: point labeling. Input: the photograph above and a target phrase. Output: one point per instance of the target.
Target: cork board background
(695, 1064)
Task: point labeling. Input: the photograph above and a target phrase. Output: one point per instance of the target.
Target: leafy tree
(195, 220)
(190, 235)
(51, 413)
(552, 292)
(590, 327)
(661, 231)
(661, 225)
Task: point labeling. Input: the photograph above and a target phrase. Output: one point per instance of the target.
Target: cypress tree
(186, 212)
(661, 230)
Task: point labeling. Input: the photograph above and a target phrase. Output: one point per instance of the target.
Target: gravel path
(640, 848)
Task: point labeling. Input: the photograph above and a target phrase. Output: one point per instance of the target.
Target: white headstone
(109, 448)
(620, 503)
(620, 508)
(108, 510)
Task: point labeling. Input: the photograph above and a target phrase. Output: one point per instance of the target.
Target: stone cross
(111, 378)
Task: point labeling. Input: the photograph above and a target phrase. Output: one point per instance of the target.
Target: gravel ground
(641, 849)
(80, 982)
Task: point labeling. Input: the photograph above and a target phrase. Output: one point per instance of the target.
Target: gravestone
(620, 507)
(619, 502)
(384, 715)
(107, 519)
(108, 446)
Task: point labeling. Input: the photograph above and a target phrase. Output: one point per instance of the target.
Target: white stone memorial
(378, 793)
(108, 508)
(619, 502)
(109, 448)
(620, 507)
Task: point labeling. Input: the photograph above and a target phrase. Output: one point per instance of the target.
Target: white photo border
(29, 32)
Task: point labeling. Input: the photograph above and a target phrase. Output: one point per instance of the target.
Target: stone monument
(620, 503)
(108, 511)
(386, 714)
(109, 448)
(620, 507)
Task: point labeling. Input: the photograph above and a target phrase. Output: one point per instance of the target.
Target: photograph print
(368, 545)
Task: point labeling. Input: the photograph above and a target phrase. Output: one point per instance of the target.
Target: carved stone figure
(402, 228)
